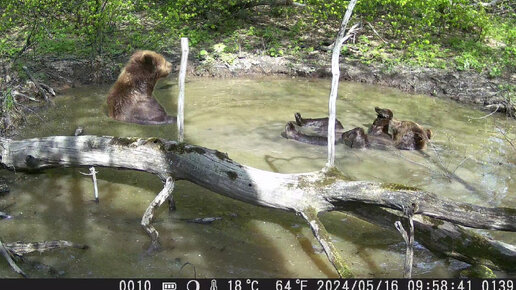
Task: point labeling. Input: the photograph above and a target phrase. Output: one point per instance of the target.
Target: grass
(289, 32)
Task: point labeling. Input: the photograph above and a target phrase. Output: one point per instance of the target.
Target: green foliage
(429, 33)
(203, 54)
(8, 101)
(275, 52)
(467, 61)
(56, 27)
(433, 33)
(433, 16)
(219, 48)
(495, 72)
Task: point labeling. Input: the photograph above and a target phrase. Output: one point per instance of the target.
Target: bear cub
(130, 99)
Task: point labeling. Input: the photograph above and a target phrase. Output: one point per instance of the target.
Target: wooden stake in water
(93, 174)
(332, 104)
(181, 98)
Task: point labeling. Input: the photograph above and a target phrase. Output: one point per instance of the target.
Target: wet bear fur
(385, 132)
(130, 99)
(407, 135)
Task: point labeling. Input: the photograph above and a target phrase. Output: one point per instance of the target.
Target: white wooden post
(181, 98)
(332, 104)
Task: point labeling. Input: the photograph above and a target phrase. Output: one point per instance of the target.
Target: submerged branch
(18, 249)
(320, 233)
(5, 252)
(164, 194)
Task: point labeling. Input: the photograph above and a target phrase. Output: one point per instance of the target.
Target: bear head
(146, 63)
(355, 138)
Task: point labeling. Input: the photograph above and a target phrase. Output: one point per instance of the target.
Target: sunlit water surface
(469, 161)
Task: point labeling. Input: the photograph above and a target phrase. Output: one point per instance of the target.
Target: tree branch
(320, 233)
(444, 238)
(13, 265)
(164, 194)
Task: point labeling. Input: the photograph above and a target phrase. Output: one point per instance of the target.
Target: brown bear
(130, 99)
(407, 135)
(385, 132)
(319, 125)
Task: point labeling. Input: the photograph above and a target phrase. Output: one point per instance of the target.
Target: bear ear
(428, 133)
(383, 113)
(147, 59)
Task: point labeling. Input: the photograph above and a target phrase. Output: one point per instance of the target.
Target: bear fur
(319, 125)
(407, 135)
(385, 132)
(130, 99)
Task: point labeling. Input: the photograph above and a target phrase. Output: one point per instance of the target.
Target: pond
(469, 160)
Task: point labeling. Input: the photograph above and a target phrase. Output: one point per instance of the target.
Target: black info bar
(259, 284)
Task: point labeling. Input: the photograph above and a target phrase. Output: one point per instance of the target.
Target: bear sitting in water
(385, 132)
(130, 99)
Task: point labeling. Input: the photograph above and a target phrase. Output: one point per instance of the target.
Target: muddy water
(469, 161)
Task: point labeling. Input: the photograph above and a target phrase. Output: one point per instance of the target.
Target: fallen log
(20, 249)
(444, 238)
(305, 193)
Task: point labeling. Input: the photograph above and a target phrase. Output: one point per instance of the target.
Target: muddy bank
(464, 87)
(461, 86)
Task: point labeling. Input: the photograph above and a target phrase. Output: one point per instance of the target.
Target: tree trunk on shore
(305, 193)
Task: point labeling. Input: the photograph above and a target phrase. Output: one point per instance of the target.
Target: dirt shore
(462, 86)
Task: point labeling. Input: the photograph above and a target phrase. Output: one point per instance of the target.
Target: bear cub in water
(130, 99)
(385, 132)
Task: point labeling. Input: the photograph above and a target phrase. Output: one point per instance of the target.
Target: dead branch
(4, 215)
(181, 97)
(408, 237)
(93, 174)
(375, 32)
(445, 238)
(18, 249)
(15, 93)
(149, 213)
(251, 4)
(7, 256)
(485, 116)
(36, 83)
(320, 233)
(21, 248)
(49, 89)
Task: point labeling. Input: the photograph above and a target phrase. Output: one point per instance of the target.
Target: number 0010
(131, 285)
